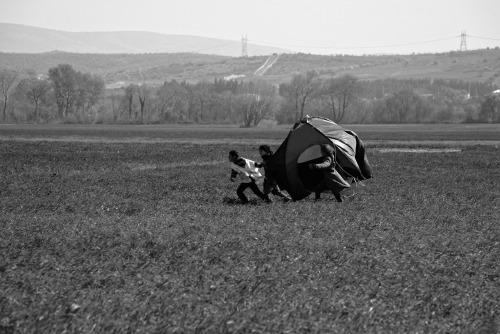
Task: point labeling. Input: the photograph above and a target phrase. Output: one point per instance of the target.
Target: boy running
(247, 170)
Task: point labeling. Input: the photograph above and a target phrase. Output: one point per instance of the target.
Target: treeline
(69, 96)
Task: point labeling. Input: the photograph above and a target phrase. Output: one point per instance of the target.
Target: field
(125, 229)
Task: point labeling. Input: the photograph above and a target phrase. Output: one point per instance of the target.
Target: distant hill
(26, 39)
(155, 68)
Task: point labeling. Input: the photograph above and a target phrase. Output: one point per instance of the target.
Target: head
(326, 150)
(265, 150)
(233, 155)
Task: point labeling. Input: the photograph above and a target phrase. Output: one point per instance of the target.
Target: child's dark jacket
(332, 178)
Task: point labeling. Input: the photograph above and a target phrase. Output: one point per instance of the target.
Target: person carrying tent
(246, 170)
(332, 179)
(290, 163)
(270, 185)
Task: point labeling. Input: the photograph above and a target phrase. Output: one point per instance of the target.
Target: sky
(312, 26)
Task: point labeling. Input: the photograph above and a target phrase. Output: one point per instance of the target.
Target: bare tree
(490, 107)
(339, 94)
(267, 102)
(228, 113)
(90, 89)
(143, 93)
(114, 96)
(255, 101)
(300, 91)
(130, 92)
(246, 105)
(36, 89)
(64, 79)
(7, 79)
(199, 99)
(171, 97)
(403, 103)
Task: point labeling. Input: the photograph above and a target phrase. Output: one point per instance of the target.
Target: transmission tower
(463, 41)
(244, 50)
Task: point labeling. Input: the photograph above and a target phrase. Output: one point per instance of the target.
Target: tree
(255, 101)
(339, 94)
(198, 100)
(130, 92)
(403, 103)
(143, 93)
(300, 91)
(246, 105)
(90, 88)
(171, 99)
(222, 85)
(35, 89)
(267, 102)
(114, 96)
(7, 79)
(64, 79)
(75, 92)
(379, 111)
(489, 111)
(227, 113)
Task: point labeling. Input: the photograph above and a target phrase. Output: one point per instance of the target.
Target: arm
(327, 162)
(234, 173)
(260, 165)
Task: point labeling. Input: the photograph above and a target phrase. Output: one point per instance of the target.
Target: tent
(289, 164)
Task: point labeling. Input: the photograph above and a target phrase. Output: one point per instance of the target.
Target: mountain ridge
(17, 38)
(156, 68)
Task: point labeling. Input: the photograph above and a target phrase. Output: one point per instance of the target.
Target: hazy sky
(315, 26)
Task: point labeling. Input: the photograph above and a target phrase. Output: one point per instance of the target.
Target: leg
(319, 189)
(338, 197)
(277, 192)
(240, 192)
(267, 190)
(267, 186)
(256, 190)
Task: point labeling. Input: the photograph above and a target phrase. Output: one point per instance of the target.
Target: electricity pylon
(244, 50)
(463, 41)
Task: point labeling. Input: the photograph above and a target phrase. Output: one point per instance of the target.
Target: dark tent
(301, 148)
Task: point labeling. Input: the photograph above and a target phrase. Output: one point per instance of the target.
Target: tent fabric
(301, 148)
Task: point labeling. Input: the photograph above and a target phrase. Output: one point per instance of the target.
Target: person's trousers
(271, 187)
(253, 186)
(323, 187)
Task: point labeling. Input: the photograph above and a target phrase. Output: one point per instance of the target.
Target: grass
(134, 236)
(371, 133)
(156, 68)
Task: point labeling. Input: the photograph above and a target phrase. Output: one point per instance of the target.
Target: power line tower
(463, 41)
(244, 50)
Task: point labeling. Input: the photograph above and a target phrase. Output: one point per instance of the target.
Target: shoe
(338, 197)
